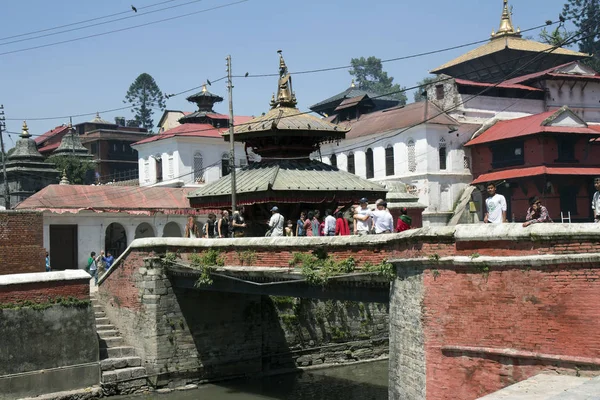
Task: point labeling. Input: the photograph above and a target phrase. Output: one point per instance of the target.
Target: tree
(585, 14)
(79, 172)
(424, 85)
(556, 37)
(370, 76)
(144, 95)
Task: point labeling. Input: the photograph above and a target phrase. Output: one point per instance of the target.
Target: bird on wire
(247, 73)
(133, 8)
(207, 81)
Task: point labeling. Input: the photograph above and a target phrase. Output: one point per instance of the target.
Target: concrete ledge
(35, 383)
(535, 232)
(37, 277)
(506, 261)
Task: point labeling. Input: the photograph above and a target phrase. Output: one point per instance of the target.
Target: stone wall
(21, 242)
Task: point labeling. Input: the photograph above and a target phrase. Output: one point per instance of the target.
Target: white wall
(581, 98)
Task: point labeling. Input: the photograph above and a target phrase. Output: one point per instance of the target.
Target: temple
(286, 176)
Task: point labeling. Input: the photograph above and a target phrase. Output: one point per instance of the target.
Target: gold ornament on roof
(204, 88)
(506, 26)
(352, 84)
(285, 95)
(25, 132)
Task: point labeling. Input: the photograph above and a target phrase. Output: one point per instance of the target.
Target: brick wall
(40, 292)
(21, 242)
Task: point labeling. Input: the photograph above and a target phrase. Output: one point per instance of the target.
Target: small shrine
(70, 145)
(286, 176)
(205, 101)
(26, 170)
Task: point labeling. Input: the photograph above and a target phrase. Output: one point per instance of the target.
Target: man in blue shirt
(108, 260)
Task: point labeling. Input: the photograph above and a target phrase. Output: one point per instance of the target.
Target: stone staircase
(122, 371)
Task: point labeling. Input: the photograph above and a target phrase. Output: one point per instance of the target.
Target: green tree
(76, 169)
(556, 37)
(370, 76)
(424, 85)
(144, 95)
(585, 14)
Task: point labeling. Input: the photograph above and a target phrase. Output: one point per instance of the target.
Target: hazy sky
(94, 74)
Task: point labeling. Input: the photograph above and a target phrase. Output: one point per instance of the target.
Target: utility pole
(72, 136)
(6, 191)
(231, 141)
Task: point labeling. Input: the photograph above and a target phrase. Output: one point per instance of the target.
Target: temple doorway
(115, 240)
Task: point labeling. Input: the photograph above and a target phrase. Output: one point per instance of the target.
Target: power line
(136, 15)
(84, 21)
(124, 29)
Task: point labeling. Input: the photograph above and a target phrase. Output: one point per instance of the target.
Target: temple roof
(70, 145)
(98, 120)
(204, 94)
(352, 92)
(25, 148)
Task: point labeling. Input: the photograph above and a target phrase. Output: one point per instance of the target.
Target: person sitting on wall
(404, 221)
(536, 212)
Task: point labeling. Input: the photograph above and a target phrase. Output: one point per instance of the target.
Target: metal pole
(6, 190)
(72, 135)
(231, 141)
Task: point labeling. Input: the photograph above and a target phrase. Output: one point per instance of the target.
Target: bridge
(472, 308)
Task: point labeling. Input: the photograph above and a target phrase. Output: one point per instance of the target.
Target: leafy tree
(370, 76)
(144, 95)
(585, 14)
(424, 85)
(556, 37)
(78, 171)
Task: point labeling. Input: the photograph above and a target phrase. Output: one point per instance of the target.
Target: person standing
(300, 231)
(100, 264)
(108, 260)
(289, 228)
(308, 223)
(208, 229)
(363, 218)
(238, 225)
(316, 224)
(92, 267)
(341, 225)
(382, 219)
(48, 267)
(536, 212)
(495, 206)
(223, 225)
(329, 228)
(191, 228)
(276, 222)
(596, 201)
(404, 221)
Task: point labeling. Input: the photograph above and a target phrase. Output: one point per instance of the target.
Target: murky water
(367, 381)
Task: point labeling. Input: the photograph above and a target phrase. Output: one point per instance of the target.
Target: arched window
(442, 153)
(370, 166)
(412, 160)
(351, 163)
(225, 164)
(198, 168)
(333, 160)
(389, 160)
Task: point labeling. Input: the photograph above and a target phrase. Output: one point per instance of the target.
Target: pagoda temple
(70, 145)
(506, 52)
(26, 170)
(286, 176)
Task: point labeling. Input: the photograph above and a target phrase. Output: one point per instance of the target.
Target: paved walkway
(550, 387)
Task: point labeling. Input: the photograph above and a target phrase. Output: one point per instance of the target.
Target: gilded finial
(25, 132)
(285, 95)
(506, 26)
(64, 180)
(204, 88)
(352, 84)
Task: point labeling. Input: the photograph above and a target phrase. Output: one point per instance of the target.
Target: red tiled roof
(396, 118)
(107, 198)
(525, 126)
(503, 85)
(550, 72)
(51, 133)
(350, 102)
(517, 173)
(48, 148)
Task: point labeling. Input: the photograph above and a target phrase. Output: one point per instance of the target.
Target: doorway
(63, 247)
(115, 239)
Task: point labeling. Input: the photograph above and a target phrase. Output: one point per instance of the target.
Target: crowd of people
(97, 264)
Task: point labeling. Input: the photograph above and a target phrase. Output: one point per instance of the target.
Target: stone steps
(123, 374)
(116, 352)
(107, 333)
(111, 341)
(99, 314)
(104, 327)
(111, 364)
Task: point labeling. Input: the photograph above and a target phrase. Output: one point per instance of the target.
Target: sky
(93, 74)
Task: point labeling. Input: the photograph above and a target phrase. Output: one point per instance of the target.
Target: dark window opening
(159, 172)
(566, 149)
(351, 168)
(94, 148)
(370, 166)
(568, 199)
(507, 154)
(442, 153)
(225, 165)
(389, 161)
(439, 92)
(333, 160)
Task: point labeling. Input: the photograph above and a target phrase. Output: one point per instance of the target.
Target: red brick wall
(120, 286)
(40, 292)
(21, 242)
(551, 310)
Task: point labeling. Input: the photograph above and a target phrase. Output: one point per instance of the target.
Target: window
(198, 168)
(370, 166)
(466, 162)
(568, 199)
(170, 165)
(147, 170)
(389, 160)
(412, 160)
(442, 153)
(225, 164)
(333, 160)
(507, 154)
(159, 171)
(351, 168)
(439, 92)
(115, 147)
(94, 148)
(566, 149)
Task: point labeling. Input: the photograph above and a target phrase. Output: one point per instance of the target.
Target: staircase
(122, 371)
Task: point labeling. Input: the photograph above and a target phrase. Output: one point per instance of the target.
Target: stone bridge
(472, 309)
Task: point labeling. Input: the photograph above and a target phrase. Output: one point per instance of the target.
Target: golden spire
(285, 95)
(352, 84)
(506, 25)
(25, 132)
(204, 88)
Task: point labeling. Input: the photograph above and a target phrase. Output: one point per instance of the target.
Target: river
(366, 381)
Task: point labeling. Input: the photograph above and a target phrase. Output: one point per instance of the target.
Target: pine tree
(370, 76)
(585, 14)
(144, 95)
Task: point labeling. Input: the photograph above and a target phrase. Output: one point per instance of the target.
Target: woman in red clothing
(404, 221)
(308, 223)
(341, 225)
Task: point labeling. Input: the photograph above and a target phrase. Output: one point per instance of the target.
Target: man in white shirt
(596, 201)
(276, 222)
(495, 206)
(329, 228)
(383, 220)
(362, 218)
